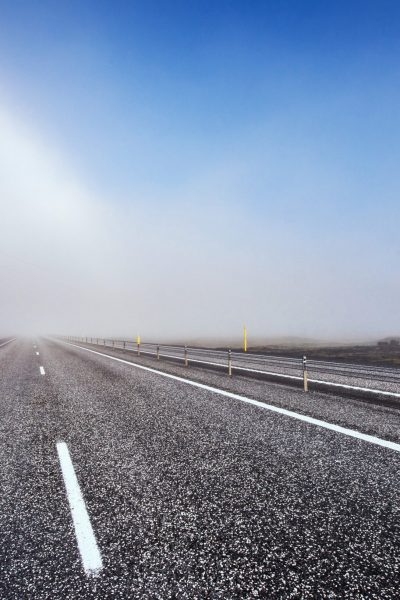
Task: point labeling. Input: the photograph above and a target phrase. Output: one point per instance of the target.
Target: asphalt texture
(190, 494)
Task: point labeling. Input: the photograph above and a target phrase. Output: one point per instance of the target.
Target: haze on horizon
(181, 169)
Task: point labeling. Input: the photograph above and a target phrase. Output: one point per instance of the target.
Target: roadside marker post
(245, 338)
(138, 345)
(124, 346)
(305, 375)
(229, 363)
(186, 356)
(158, 352)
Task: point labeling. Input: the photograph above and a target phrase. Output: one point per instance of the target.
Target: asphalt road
(190, 494)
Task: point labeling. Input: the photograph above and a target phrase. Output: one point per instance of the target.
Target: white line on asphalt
(89, 551)
(37, 353)
(283, 411)
(7, 342)
(355, 388)
(42, 371)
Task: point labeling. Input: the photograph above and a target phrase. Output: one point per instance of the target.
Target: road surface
(187, 492)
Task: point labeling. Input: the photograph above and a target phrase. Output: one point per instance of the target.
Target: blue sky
(266, 133)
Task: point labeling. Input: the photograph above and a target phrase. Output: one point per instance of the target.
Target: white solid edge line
(37, 353)
(353, 387)
(42, 372)
(7, 342)
(283, 411)
(89, 551)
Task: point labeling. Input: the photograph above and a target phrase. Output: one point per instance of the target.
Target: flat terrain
(368, 354)
(190, 493)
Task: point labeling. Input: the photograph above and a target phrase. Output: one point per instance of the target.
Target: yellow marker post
(245, 338)
(138, 344)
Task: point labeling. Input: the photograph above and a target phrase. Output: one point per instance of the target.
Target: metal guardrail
(300, 370)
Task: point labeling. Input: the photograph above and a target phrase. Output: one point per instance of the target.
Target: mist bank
(253, 341)
(191, 262)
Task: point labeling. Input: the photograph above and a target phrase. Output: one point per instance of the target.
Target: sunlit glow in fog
(170, 265)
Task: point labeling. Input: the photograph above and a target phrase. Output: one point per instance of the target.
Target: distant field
(369, 355)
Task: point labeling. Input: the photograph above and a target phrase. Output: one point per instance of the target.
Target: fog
(190, 263)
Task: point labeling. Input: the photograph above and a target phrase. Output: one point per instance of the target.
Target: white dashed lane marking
(89, 551)
(42, 371)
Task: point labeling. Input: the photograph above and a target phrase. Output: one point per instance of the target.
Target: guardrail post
(158, 352)
(186, 356)
(305, 375)
(229, 363)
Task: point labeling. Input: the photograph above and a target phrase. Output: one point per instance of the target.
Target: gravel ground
(191, 495)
